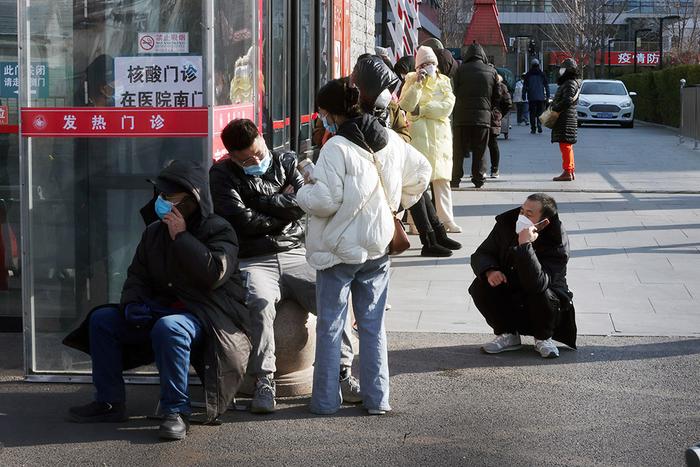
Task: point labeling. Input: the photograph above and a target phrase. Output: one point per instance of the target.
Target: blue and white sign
(9, 79)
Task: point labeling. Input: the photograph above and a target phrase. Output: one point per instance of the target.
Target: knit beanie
(425, 55)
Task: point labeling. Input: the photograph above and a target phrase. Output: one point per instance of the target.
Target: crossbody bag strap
(381, 179)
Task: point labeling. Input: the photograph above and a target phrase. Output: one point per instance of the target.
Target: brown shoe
(564, 177)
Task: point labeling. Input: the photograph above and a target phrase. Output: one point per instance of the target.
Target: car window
(608, 89)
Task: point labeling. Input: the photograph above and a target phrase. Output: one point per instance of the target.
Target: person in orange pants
(567, 159)
(565, 130)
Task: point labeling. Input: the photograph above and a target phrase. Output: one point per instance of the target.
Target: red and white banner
(109, 122)
(616, 58)
(222, 115)
(4, 115)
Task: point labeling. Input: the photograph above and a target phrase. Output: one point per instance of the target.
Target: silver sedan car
(605, 101)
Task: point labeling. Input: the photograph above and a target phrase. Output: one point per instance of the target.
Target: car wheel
(628, 125)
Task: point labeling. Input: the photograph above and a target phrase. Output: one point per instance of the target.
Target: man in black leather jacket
(255, 190)
(520, 284)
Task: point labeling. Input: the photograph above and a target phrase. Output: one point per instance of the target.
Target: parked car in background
(605, 101)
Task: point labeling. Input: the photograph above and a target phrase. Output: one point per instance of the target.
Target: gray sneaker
(502, 343)
(350, 388)
(264, 396)
(546, 348)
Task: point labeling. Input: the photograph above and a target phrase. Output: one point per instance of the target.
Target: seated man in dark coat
(255, 190)
(520, 284)
(182, 302)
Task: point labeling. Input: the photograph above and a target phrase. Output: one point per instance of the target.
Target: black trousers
(494, 152)
(468, 139)
(424, 216)
(509, 311)
(536, 109)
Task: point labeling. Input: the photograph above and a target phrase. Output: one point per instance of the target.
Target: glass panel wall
(10, 235)
(84, 194)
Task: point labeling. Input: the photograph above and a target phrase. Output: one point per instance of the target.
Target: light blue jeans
(369, 284)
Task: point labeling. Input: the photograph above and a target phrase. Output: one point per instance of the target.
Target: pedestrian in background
(501, 107)
(427, 98)
(363, 173)
(520, 102)
(536, 92)
(565, 131)
(475, 90)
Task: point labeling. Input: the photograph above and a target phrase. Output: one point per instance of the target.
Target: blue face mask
(163, 207)
(258, 170)
(330, 128)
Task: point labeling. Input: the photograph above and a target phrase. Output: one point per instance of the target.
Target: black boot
(443, 240)
(431, 247)
(174, 426)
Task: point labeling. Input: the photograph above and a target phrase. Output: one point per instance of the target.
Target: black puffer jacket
(200, 269)
(531, 268)
(565, 129)
(372, 76)
(266, 220)
(475, 89)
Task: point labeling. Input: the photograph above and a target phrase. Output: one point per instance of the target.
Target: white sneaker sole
(549, 355)
(504, 349)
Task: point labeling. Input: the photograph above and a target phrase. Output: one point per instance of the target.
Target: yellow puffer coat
(430, 130)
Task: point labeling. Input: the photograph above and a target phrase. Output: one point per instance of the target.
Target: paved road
(617, 401)
(633, 216)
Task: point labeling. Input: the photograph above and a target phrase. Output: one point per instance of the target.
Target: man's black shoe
(96, 412)
(454, 184)
(539, 130)
(532, 131)
(174, 426)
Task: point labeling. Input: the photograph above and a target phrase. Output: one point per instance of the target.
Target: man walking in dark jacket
(475, 89)
(520, 284)
(183, 297)
(255, 190)
(536, 91)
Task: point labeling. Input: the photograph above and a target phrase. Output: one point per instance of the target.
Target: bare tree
(454, 17)
(584, 27)
(685, 32)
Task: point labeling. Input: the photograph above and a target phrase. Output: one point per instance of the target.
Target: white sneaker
(502, 343)
(546, 348)
(452, 227)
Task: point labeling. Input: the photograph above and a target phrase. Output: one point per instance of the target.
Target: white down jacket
(349, 218)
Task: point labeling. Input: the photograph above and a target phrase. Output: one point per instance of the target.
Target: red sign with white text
(616, 58)
(222, 115)
(4, 115)
(109, 122)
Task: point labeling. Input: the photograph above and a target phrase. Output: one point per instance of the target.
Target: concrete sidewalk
(635, 267)
(617, 401)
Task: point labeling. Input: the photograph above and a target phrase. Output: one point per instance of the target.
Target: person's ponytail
(340, 97)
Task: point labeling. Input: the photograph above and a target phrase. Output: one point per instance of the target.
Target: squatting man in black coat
(182, 302)
(255, 190)
(520, 284)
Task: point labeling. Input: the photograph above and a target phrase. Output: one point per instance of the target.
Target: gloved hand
(138, 314)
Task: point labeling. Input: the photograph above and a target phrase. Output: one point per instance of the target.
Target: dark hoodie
(199, 270)
(531, 268)
(366, 131)
(475, 89)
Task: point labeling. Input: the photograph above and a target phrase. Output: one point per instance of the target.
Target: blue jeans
(369, 284)
(172, 338)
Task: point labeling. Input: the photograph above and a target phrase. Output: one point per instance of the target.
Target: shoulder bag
(549, 117)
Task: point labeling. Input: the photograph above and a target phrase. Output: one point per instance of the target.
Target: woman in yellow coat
(428, 99)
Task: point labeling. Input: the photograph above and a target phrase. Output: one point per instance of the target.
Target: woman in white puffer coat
(350, 227)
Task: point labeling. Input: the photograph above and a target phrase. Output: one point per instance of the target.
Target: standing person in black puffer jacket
(565, 130)
(501, 106)
(475, 89)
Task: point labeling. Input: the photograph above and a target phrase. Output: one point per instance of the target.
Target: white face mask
(430, 69)
(562, 71)
(522, 223)
(383, 100)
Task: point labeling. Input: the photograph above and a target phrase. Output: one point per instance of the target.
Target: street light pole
(636, 33)
(610, 41)
(661, 38)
